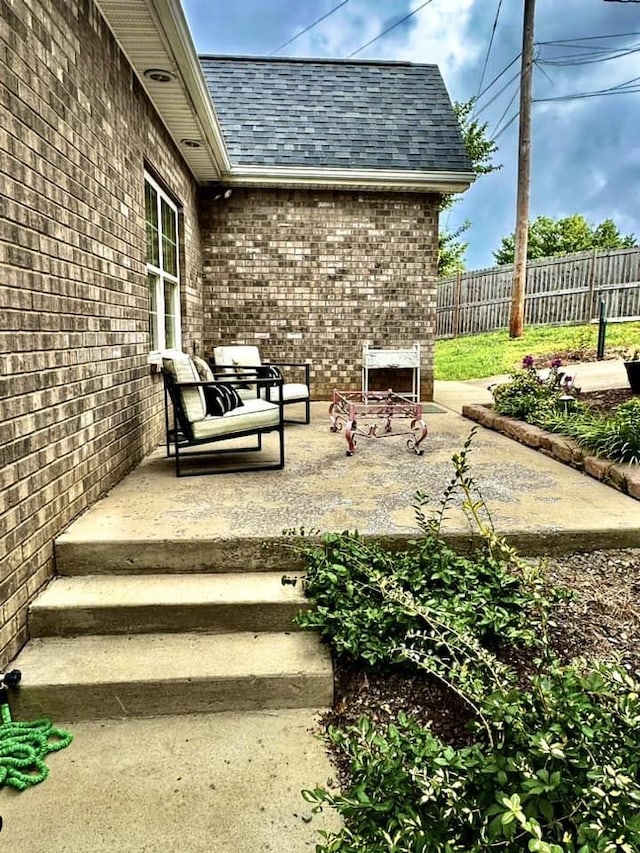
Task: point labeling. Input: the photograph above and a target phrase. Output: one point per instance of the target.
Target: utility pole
(516, 322)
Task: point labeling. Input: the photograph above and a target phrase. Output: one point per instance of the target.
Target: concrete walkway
(230, 783)
(223, 783)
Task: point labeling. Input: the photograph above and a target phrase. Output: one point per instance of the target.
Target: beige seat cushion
(293, 391)
(244, 356)
(248, 356)
(252, 414)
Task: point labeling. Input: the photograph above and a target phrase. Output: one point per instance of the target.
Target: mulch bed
(606, 401)
(576, 356)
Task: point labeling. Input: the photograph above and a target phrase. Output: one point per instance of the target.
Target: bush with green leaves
(531, 395)
(540, 399)
(553, 766)
(355, 583)
(560, 775)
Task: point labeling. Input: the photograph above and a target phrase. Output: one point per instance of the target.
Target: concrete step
(136, 604)
(83, 553)
(137, 675)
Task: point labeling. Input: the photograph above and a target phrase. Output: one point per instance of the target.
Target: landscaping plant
(551, 759)
(540, 399)
(615, 436)
(531, 395)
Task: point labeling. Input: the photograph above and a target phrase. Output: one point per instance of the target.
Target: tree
(451, 251)
(480, 150)
(549, 238)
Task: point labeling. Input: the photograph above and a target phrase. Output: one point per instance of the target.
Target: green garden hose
(24, 747)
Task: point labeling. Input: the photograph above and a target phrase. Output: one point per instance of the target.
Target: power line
(628, 83)
(630, 86)
(593, 49)
(589, 38)
(506, 110)
(388, 30)
(540, 68)
(486, 59)
(306, 29)
(627, 87)
(498, 93)
(507, 125)
(597, 56)
(619, 87)
(498, 76)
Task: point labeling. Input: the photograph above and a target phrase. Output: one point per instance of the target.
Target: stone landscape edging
(624, 477)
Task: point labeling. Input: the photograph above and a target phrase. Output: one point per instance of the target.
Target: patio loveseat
(209, 411)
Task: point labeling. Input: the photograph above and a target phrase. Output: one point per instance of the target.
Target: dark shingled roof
(335, 114)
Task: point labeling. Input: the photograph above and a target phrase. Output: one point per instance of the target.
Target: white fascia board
(302, 176)
(174, 25)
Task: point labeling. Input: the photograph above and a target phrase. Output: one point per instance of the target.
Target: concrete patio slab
(153, 521)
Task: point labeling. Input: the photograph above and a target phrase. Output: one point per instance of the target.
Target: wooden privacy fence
(558, 290)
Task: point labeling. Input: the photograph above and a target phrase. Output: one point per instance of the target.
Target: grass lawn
(477, 356)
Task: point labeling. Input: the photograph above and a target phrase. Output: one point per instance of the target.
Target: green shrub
(355, 586)
(539, 399)
(560, 777)
(531, 396)
(616, 437)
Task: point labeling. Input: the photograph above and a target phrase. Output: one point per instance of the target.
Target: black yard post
(602, 330)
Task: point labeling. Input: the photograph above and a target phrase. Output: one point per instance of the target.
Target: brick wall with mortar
(314, 274)
(79, 404)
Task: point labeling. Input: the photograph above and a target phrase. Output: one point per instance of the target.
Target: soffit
(153, 34)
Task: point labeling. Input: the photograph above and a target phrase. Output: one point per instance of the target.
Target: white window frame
(163, 277)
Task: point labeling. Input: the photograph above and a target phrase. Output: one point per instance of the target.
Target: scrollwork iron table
(384, 408)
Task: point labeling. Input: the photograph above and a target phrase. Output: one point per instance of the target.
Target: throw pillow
(221, 398)
(204, 371)
(269, 371)
(232, 397)
(216, 400)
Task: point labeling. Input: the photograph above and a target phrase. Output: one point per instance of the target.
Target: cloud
(442, 35)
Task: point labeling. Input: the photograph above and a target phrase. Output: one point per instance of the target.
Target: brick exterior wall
(79, 404)
(313, 275)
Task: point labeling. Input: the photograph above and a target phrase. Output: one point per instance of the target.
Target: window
(161, 217)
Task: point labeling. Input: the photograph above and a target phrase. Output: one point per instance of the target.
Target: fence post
(456, 309)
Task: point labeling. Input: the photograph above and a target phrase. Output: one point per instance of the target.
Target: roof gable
(335, 114)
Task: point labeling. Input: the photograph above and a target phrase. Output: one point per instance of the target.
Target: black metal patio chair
(210, 412)
(239, 358)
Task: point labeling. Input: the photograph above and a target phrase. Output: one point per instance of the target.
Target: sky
(585, 151)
